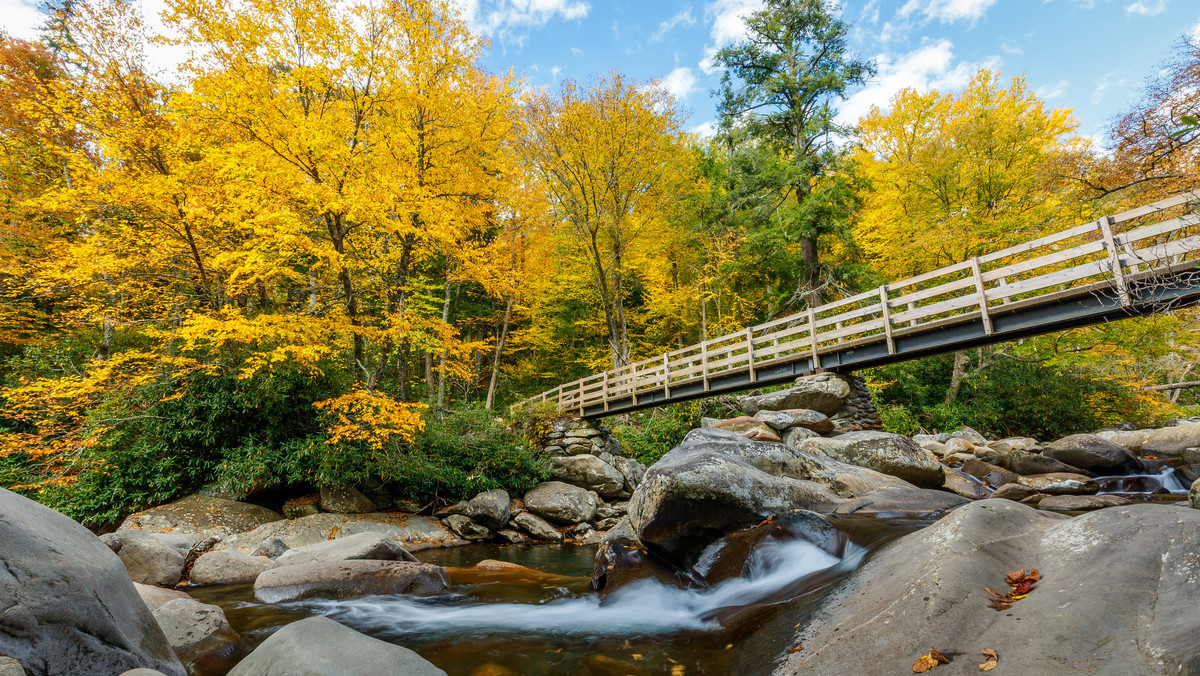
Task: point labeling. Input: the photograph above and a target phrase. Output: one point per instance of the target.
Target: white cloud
(870, 12)
(1054, 91)
(948, 11)
(930, 66)
(683, 18)
(1107, 83)
(512, 20)
(705, 130)
(1009, 47)
(1194, 34)
(728, 18)
(1147, 7)
(575, 51)
(21, 19)
(679, 83)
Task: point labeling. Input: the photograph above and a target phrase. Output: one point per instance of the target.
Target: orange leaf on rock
(1034, 575)
(924, 663)
(1015, 576)
(992, 660)
(940, 658)
(1023, 586)
(990, 654)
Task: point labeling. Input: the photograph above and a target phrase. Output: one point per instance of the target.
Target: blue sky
(1088, 55)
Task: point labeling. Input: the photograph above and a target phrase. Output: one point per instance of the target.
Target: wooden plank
(1056, 258)
(1161, 228)
(983, 308)
(1114, 260)
(934, 292)
(666, 376)
(1038, 243)
(887, 318)
(812, 336)
(936, 308)
(606, 399)
(1157, 206)
(750, 354)
(704, 362)
(1055, 278)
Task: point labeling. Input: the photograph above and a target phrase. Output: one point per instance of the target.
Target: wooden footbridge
(1133, 263)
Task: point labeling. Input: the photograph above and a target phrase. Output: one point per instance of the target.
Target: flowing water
(512, 622)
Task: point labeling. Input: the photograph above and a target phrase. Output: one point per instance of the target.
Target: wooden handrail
(979, 287)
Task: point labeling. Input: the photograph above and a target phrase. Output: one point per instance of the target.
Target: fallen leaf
(796, 649)
(992, 660)
(1000, 605)
(990, 654)
(924, 663)
(1015, 577)
(1023, 586)
(993, 592)
(1034, 575)
(942, 659)
(988, 666)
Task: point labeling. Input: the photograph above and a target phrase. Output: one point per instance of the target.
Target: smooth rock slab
(1117, 596)
(67, 605)
(1080, 503)
(340, 579)
(589, 473)
(561, 502)
(408, 530)
(901, 502)
(892, 454)
(197, 631)
(148, 559)
(369, 545)
(201, 515)
(538, 527)
(1060, 483)
(225, 567)
(10, 667)
(156, 596)
(318, 646)
(1166, 441)
(1092, 453)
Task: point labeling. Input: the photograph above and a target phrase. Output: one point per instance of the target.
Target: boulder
(991, 474)
(1014, 491)
(632, 470)
(67, 605)
(1060, 483)
(704, 489)
(318, 646)
(969, 434)
(743, 425)
(961, 483)
(1023, 462)
(342, 498)
(824, 393)
(1194, 495)
(1092, 453)
(1116, 596)
(338, 579)
(156, 596)
(197, 632)
(901, 502)
(490, 508)
(465, 528)
(10, 667)
(201, 515)
(561, 502)
(537, 527)
(148, 559)
(272, 548)
(373, 546)
(794, 436)
(1028, 444)
(142, 672)
(225, 567)
(305, 506)
(812, 420)
(588, 472)
(512, 537)
(1080, 503)
(957, 445)
(892, 454)
(410, 531)
(1166, 441)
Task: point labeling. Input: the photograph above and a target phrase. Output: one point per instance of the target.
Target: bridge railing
(1111, 253)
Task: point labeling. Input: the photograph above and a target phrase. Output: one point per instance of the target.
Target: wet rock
(305, 506)
(969, 434)
(1060, 483)
(466, 528)
(156, 596)
(1092, 453)
(588, 472)
(342, 498)
(511, 536)
(67, 605)
(339, 579)
(901, 502)
(1166, 441)
(1034, 500)
(537, 527)
(372, 546)
(224, 567)
(148, 559)
(1125, 574)
(824, 393)
(1080, 503)
(490, 508)
(1023, 462)
(991, 474)
(409, 531)
(318, 646)
(561, 502)
(892, 454)
(732, 556)
(1013, 491)
(960, 483)
(1190, 473)
(272, 548)
(197, 632)
(201, 515)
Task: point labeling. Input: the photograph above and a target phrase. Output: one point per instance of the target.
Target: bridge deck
(1134, 263)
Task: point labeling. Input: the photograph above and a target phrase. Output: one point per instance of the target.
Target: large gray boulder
(892, 454)
(1023, 462)
(67, 605)
(201, 515)
(1165, 441)
(412, 531)
(824, 393)
(369, 545)
(909, 501)
(1116, 596)
(228, 566)
(561, 502)
(538, 527)
(1060, 483)
(337, 579)
(156, 596)
(588, 472)
(343, 498)
(706, 487)
(466, 528)
(197, 632)
(490, 508)
(148, 559)
(318, 646)
(1092, 453)
(632, 470)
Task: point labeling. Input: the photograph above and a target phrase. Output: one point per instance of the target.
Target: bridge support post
(1114, 259)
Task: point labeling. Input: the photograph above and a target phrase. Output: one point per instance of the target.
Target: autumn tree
(779, 93)
(614, 163)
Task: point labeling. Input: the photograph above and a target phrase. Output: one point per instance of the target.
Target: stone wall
(858, 412)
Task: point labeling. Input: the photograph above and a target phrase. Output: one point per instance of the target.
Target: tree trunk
(961, 361)
(491, 393)
(441, 385)
(810, 278)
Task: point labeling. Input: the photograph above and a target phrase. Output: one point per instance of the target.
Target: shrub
(647, 436)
